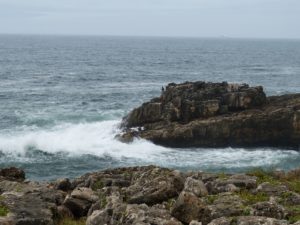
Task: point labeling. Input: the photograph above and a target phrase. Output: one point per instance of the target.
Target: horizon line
(150, 36)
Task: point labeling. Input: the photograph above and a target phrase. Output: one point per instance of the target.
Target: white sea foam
(86, 138)
(97, 139)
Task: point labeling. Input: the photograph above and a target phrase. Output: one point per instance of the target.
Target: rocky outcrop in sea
(203, 114)
(152, 195)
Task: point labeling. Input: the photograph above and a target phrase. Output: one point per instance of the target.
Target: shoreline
(152, 195)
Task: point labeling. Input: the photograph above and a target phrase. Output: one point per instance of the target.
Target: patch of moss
(70, 221)
(18, 189)
(97, 185)
(211, 198)
(3, 210)
(127, 175)
(294, 185)
(102, 200)
(170, 203)
(246, 211)
(250, 198)
(222, 176)
(294, 213)
(264, 176)
(233, 221)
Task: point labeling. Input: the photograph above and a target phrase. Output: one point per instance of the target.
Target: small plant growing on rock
(97, 185)
(3, 210)
(250, 198)
(263, 176)
(70, 221)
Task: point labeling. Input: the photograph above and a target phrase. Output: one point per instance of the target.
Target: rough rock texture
(12, 173)
(152, 195)
(216, 115)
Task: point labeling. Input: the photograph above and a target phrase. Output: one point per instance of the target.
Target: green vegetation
(97, 185)
(170, 203)
(222, 176)
(246, 211)
(211, 199)
(250, 198)
(102, 199)
(70, 221)
(294, 185)
(294, 213)
(264, 176)
(3, 210)
(292, 179)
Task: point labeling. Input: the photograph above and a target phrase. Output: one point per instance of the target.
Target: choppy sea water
(62, 99)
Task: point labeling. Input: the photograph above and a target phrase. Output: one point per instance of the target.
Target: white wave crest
(95, 138)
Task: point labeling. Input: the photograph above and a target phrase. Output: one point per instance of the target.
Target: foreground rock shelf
(199, 114)
(152, 196)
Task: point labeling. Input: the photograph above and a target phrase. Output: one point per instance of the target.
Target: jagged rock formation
(216, 115)
(153, 196)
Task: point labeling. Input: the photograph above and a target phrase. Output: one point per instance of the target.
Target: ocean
(62, 99)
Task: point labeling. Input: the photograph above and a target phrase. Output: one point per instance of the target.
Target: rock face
(152, 195)
(216, 115)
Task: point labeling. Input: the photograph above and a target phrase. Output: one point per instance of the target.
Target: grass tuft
(3, 210)
(70, 221)
(264, 176)
(250, 198)
(97, 185)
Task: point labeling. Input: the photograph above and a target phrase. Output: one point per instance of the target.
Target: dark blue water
(62, 98)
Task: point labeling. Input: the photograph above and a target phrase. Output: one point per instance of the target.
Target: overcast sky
(195, 18)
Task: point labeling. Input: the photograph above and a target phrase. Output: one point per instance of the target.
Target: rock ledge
(203, 114)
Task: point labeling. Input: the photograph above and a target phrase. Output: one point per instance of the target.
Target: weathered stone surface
(98, 217)
(194, 222)
(269, 209)
(196, 187)
(63, 184)
(30, 208)
(221, 221)
(248, 220)
(226, 205)
(271, 189)
(12, 173)
(149, 196)
(256, 220)
(231, 184)
(80, 201)
(154, 186)
(189, 207)
(216, 115)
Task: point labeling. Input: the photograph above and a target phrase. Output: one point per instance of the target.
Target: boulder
(226, 205)
(154, 185)
(12, 173)
(196, 187)
(231, 183)
(216, 115)
(189, 207)
(28, 208)
(271, 189)
(99, 217)
(269, 209)
(80, 201)
(63, 184)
